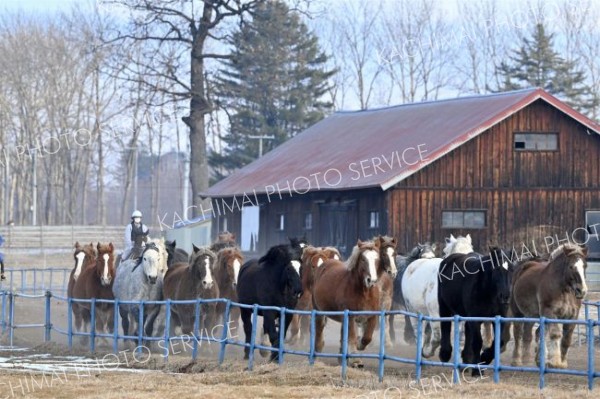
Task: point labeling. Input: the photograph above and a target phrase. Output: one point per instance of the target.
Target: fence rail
(9, 298)
(58, 237)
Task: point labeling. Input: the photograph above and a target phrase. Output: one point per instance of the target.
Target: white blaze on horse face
(80, 257)
(302, 245)
(505, 265)
(390, 254)
(320, 262)
(336, 257)
(105, 276)
(372, 257)
(208, 280)
(579, 266)
(236, 270)
(296, 266)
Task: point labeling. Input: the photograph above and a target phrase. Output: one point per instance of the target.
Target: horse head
(170, 246)
(202, 263)
(460, 245)
(571, 259)
(298, 245)
(501, 272)
(83, 255)
(153, 261)
(424, 251)
(364, 261)
(105, 263)
(231, 259)
(387, 254)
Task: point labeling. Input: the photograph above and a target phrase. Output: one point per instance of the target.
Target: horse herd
(300, 276)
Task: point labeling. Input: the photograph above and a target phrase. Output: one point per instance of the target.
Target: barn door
(339, 226)
(592, 222)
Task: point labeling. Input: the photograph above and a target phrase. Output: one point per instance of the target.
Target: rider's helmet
(136, 214)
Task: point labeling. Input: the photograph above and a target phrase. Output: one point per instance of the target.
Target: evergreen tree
(537, 64)
(273, 84)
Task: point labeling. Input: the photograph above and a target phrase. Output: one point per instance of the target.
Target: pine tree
(273, 84)
(537, 64)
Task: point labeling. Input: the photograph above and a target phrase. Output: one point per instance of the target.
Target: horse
(387, 275)
(352, 285)
(273, 280)
(96, 282)
(225, 239)
(420, 290)
(421, 251)
(554, 289)
(473, 285)
(227, 269)
(138, 247)
(188, 281)
(174, 254)
(312, 258)
(84, 256)
(145, 283)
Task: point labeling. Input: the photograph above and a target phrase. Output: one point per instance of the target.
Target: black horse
(273, 280)
(473, 285)
(421, 251)
(174, 254)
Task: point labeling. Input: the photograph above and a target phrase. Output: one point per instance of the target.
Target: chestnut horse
(553, 289)
(228, 264)
(84, 256)
(354, 286)
(387, 274)
(312, 258)
(195, 280)
(96, 282)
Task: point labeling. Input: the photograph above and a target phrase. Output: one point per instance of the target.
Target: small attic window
(536, 141)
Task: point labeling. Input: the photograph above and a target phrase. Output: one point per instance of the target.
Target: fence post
(281, 335)
(70, 322)
(456, 350)
(225, 331)
(419, 354)
(93, 326)
(11, 316)
(590, 350)
(3, 318)
(311, 356)
(497, 338)
(196, 327)
(345, 344)
(116, 326)
(382, 327)
(48, 324)
(542, 350)
(252, 337)
(140, 326)
(167, 330)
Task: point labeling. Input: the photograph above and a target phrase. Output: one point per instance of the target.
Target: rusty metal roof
(379, 147)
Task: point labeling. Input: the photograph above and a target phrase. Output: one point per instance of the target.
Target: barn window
(536, 141)
(224, 225)
(374, 220)
(471, 219)
(280, 222)
(308, 221)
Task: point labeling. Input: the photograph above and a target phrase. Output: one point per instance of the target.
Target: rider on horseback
(132, 231)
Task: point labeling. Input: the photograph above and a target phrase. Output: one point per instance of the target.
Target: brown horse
(351, 286)
(228, 264)
(225, 239)
(552, 289)
(84, 256)
(387, 273)
(96, 282)
(312, 258)
(191, 281)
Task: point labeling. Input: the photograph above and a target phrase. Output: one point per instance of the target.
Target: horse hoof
(556, 365)
(477, 372)
(487, 356)
(516, 363)
(445, 354)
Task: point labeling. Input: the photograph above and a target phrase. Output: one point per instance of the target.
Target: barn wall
(525, 193)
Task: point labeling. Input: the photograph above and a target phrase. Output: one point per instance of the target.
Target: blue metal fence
(589, 325)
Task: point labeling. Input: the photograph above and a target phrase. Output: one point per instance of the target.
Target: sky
(40, 5)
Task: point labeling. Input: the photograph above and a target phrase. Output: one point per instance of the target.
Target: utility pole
(260, 142)
(34, 189)
(135, 178)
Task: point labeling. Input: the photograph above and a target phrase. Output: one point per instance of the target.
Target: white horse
(134, 283)
(420, 288)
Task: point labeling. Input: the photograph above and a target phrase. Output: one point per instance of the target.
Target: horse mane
(276, 253)
(331, 251)
(562, 249)
(353, 259)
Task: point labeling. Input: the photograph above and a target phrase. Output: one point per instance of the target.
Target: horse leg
(368, 332)
(86, 319)
(352, 342)
(488, 335)
(124, 319)
(554, 334)
(246, 315)
(271, 331)
(295, 329)
(409, 332)
(476, 344)
(150, 320)
(565, 342)
(304, 329)
(319, 327)
(467, 352)
(517, 356)
(265, 340)
(392, 329)
(234, 322)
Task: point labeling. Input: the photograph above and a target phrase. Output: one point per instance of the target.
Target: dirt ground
(183, 378)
